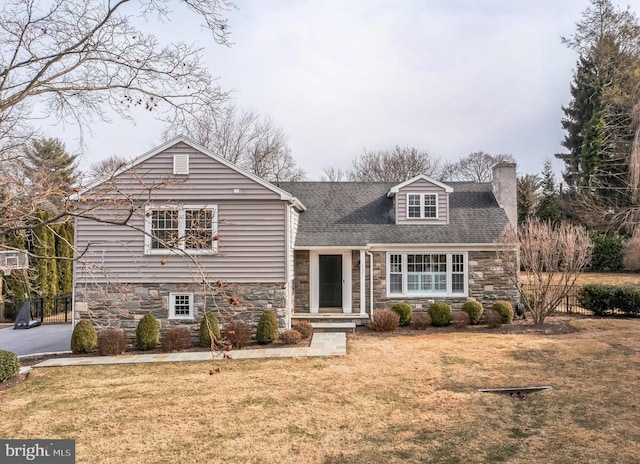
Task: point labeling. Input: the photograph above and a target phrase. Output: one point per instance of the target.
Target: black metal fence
(55, 310)
(571, 305)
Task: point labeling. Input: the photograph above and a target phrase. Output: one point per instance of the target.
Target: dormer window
(422, 205)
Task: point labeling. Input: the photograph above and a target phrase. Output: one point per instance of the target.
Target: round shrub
(404, 311)
(440, 314)
(84, 338)
(176, 339)
(238, 334)
(267, 330)
(505, 310)
(290, 337)
(385, 320)
(9, 365)
(460, 319)
(214, 325)
(420, 320)
(111, 342)
(304, 327)
(474, 309)
(147, 332)
(492, 318)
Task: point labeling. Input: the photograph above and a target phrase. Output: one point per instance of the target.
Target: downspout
(370, 284)
(287, 271)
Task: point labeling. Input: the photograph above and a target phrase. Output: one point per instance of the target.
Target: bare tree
(475, 167)
(395, 165)
(245, 138)
(78, 57)
(551, 259)
(333, 175)
(106, 167)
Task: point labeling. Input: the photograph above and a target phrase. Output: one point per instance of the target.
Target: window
(181, 306)
(422, 205)
(188, 228)
(418, 274)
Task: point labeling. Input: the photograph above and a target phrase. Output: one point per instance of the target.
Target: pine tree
(549, 207)
(527, 195)
(51, 165)
(43, 246)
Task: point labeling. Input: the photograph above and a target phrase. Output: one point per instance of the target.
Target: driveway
(41, 339)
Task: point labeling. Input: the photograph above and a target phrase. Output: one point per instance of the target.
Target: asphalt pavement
(41, 339)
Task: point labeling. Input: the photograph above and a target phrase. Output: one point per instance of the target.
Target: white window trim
(172, 306)
(181, 230)
(422, 205)
(406, 294)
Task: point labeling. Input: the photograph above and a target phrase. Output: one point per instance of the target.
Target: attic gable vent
(181, 164)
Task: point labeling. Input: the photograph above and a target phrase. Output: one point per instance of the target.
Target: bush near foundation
(492, 318)
(505, 310)
(214, 325)
(460, 319)
(267, 330)
(440, 314)
(404, 311)
(238, 334)
(290, 337)
(176, 339)
(9, 365)
(111, 342)
(420, 320)
(84, 338)
(304, 327)
(147, 332)
(385, 320)
(475, 310)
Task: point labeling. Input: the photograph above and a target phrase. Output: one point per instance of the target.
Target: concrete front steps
(332, 322)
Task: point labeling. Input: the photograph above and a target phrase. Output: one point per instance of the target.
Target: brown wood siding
(207, 178)
(251, 225)
(251, 249)
(421, 186)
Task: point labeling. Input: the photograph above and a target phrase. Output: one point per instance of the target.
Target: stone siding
(301, 282)
(122, 306)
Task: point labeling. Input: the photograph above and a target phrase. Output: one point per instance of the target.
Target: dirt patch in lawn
(12, 382)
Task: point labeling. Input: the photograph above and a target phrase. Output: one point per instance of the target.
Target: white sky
(447, 76)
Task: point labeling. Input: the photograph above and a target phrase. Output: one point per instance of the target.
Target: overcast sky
(447, 76)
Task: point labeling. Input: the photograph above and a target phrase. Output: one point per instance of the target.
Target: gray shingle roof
(359, 213)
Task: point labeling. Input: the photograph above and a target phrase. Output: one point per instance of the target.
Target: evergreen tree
(64, 253)
(50, 164)
(528, 186)
(44, 248)
(549, 206)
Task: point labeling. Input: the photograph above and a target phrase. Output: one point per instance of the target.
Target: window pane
(430, 206)
(457, 283)
(198, 229)
(164, 228)
(395, 283)
(414, 206)
(182, 305)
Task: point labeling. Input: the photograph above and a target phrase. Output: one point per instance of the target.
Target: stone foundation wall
(122, 306)
(301, 282)
(488, 282)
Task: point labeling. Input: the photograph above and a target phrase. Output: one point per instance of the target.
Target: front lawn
(391, 399)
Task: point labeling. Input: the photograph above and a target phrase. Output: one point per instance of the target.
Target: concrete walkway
(322, 344)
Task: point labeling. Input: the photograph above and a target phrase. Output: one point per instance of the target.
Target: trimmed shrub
(608, 252)
(603, 299)
(440, 314)
(460, 319)
(505, 310)
(627, 298)
(238, 334)
(84, 338)
(9, 365)
(111, 342)
(475, 310)
(420, 320)
(267, 330)
(404, 311)
(290, 337)
(176, 339)
(385, 320)
(205, 336)
(147, 332)
(304, 327)
(492, 318)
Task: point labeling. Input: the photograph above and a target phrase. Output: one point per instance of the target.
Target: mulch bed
(554, 325)
(12, 382)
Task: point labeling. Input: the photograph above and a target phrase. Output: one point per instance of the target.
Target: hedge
(604, 299)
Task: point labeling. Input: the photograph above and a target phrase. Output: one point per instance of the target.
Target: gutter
(370, 283)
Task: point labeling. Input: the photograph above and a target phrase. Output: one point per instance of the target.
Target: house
(180, 230)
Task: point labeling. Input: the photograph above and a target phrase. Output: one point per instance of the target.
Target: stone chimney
(505, 189)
